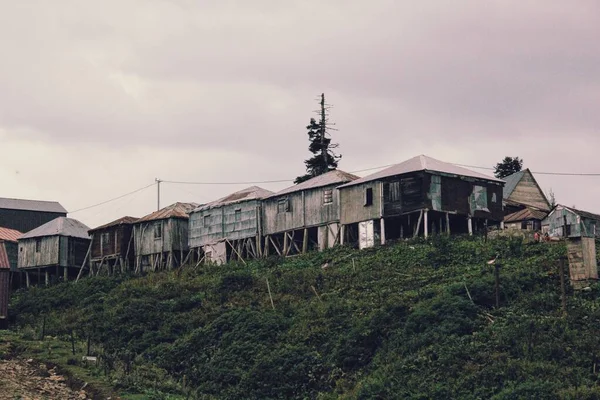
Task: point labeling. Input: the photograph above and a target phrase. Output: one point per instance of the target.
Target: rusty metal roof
(10, 235)
(176, 210)
(330, 178)
(61, 226)
(4, 263)
(121, 221)
(422, 163)
(32, 205)
(525, 215)
(247, 194)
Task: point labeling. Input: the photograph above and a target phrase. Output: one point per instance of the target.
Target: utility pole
(323, 130)
(157, 193)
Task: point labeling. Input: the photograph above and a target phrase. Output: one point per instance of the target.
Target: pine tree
(323, 159)
(507, 167)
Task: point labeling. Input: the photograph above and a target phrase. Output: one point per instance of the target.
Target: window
(105, 239)
(393, 192)
(283, 206)
(238, 215)
(158, 231)
(38, 245)
(479, 200)
(206, 221)
(327, 196)
(494, 198)
(568, 230)
(368, 197)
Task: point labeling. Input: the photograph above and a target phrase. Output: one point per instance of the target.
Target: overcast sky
(100, 98)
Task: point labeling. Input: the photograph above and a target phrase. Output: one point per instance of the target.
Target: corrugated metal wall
(25, 221)
(232, 221)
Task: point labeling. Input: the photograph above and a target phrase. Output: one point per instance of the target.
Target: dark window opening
(238, 215)
(38, 245)
(158, 231)
(328, 196)
(206, 221)
(368, 197)
(283, 206)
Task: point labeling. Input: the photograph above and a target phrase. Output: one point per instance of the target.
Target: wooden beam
(275, 245)
(448, 223)
(342, 233)
(426, 223)
(285, 244)
(235, 250)
(470, 225)
(418, 224)
(305, 241)
(382, 230)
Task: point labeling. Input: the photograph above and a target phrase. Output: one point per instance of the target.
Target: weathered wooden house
(57, 248)
(112, 246)
(161, 238)
(25, 215)
(304, 216)
(8, 269)
(229, 228)
(580, 229)
(420, 196)
(525, 204)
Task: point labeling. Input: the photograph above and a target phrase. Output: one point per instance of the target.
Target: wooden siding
(222, 223)
(582, 259)
(306, 209)
(352, 200)
(528, 192)
(174, 236)
(12, 251)
(48, 254)
(119, 241)
(24, 220)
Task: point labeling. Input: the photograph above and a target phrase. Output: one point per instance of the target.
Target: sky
(98, 99)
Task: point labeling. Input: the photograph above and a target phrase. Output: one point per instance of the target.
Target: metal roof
(61, 226)
(581, 213)
(32, 205)
(10, 235)
(421, 163)
(511, 183)
(330, 178)
(176, 210)
(4, 263)
(121, 221)
(247, 194)
(526, 214)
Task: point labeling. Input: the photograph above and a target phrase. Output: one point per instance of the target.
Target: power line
(537, 172)
(228, 183)
(113, 199)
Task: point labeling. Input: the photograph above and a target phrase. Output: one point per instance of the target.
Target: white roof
(61, 226)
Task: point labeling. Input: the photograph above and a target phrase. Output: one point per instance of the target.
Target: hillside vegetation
(411, 320)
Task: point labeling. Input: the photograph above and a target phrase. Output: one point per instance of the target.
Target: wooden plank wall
(48, 254)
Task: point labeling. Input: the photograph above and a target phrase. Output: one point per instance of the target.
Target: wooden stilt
(425, 224)
(47, 276)
(382, 229)
(267, 241)
(342, 234)
(275, 245)
(27, 281)
(65, 273)
(470, 225)
(418, 224)
(236, 251)
(448, 223)
(305, 241)
(285, 244)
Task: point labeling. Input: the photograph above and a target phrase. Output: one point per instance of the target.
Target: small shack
(9, 250)
(304, 216)
(112, 246)
(529, 219)
(25, 215)
(580, 229)
(161, 238)
(228, 228)
(57, 248)
(419, 196)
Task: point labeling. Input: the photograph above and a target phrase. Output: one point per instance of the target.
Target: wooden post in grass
(270, 297)
(563, 293)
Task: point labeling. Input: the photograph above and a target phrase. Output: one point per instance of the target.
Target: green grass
(414, 320)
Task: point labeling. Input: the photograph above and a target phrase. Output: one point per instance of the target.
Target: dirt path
(26, 380)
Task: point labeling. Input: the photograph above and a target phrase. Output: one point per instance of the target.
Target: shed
(60, 244)
(229, 228)
(304, 216)
(529, 218)
(521, 191)
(25, 215)
(112, 245)
(161, 238)
(419, 196)
(569, 222)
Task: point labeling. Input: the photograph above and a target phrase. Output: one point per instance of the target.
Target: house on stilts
(229, 228)
(305, 216)
(56, 249)
(161, 238)
(420, 196)
(111, 246)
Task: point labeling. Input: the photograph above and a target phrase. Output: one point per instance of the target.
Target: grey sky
(99, 98)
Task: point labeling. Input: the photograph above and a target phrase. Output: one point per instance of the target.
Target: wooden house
(8, 269)
(528, 218)
(228, 228)
(161, 238)
(580, 229)
(522, 192)
(57, 248)
(25, 215)
(418, 197)
(112, 246)
(304, 216)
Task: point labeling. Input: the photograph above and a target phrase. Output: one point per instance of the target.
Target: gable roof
(511, 183)
(4, 263)
(581, 213)
(526, 214)
(32, 205)
(10, 235)
(121, 221)
(422, 163)
(247, 194)
(61, 226)
(175, 210)
(329, 178)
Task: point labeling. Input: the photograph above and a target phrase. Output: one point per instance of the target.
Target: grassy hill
(412, 321)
